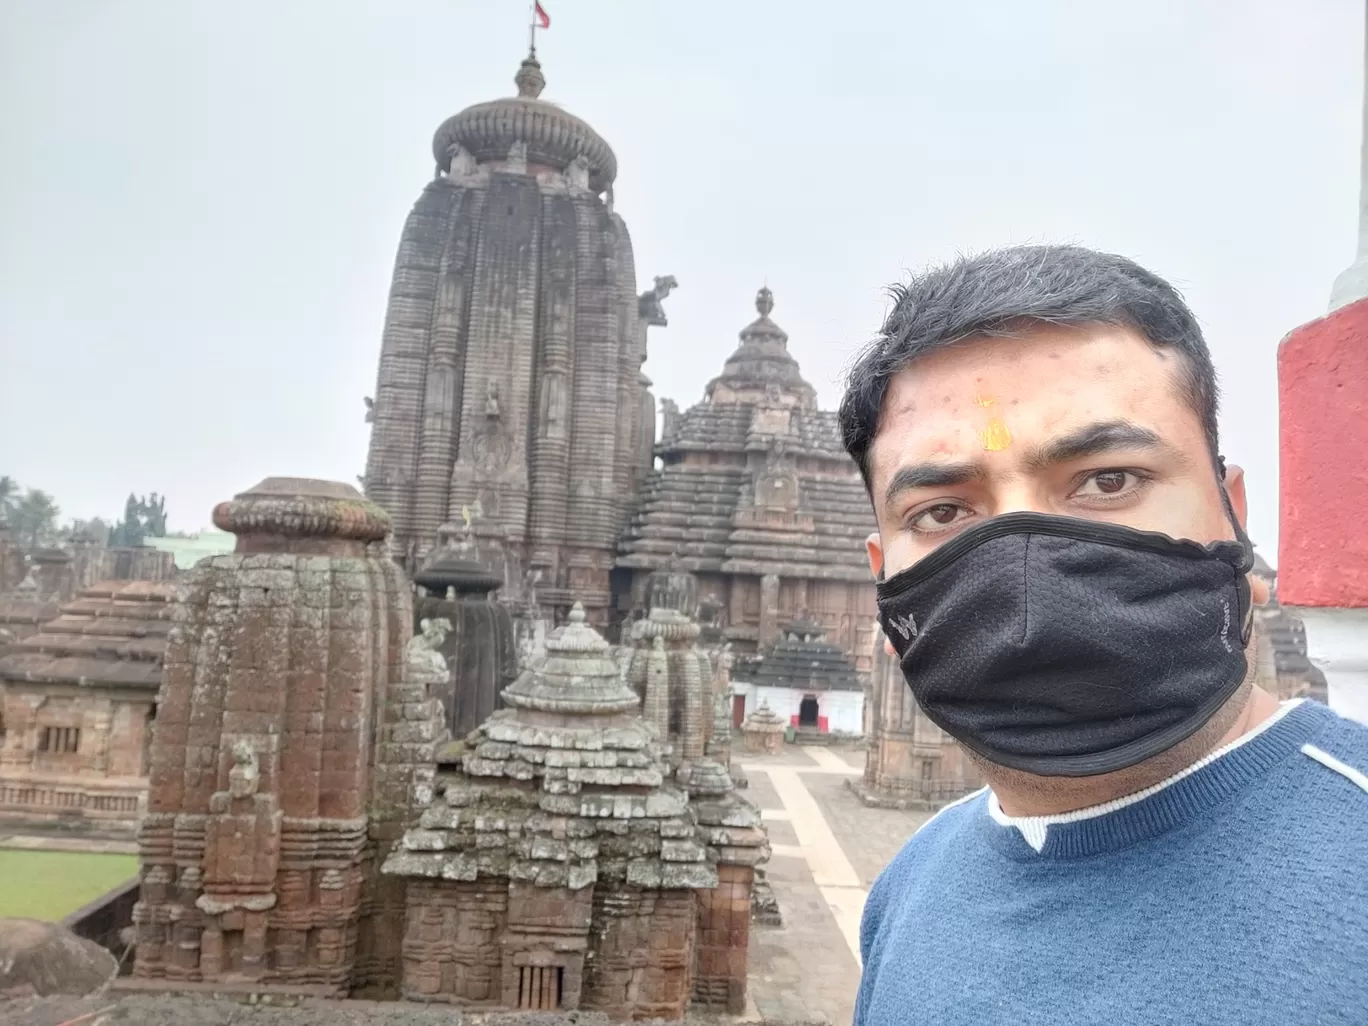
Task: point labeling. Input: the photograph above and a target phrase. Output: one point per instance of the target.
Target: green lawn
(52, 884)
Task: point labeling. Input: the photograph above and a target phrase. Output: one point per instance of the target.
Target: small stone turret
(763, 730)
(285, 753)
(479, 648)
(669, 671)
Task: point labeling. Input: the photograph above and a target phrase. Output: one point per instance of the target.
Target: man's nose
(1019, 497)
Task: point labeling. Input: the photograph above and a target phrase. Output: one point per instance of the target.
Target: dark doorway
(738, 710)
(807, 712)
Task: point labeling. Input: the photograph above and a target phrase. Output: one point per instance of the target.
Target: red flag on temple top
(543, 19)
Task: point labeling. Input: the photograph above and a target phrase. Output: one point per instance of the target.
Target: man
(1064, 573)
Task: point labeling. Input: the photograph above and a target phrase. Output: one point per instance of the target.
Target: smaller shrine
(910, 763)
(763, 730)
(667, 669)
(76, 706)
(22, 611)
(1283, 668)
(563, 868)
(479, 646)
(811, 684)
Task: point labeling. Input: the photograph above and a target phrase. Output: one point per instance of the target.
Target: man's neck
(1026, 794)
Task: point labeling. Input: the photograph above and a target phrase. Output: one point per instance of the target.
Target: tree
(143, 518)
(34, 518)
(9, 495)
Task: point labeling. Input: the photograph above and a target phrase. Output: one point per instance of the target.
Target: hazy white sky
(200, 202)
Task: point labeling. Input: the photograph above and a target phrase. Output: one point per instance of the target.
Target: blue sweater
(1234, 893)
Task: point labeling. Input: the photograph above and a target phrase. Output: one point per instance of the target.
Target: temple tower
(278, 773)
(757, 497)
(510, 387)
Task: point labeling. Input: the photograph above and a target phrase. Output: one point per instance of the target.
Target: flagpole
(532, 31)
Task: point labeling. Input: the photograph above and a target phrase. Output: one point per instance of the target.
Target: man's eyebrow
(1095, 440)
(931, 475)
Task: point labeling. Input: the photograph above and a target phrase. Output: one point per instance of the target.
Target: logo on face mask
(905, 625)
(1225, 626)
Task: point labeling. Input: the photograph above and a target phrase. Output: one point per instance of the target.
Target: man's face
(1081, 421)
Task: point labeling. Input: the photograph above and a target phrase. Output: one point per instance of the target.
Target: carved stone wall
(276, 762)
(76, 703)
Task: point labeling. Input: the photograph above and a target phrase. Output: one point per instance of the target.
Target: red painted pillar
(1323, 521)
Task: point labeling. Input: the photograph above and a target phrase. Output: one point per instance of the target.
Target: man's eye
(1107, 482)
(942, 515)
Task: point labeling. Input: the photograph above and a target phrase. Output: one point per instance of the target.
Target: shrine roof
(113, 633)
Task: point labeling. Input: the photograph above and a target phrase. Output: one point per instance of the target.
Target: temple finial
(764, 301)
(529, 79)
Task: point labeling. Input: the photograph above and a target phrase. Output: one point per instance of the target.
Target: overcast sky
(200, 202)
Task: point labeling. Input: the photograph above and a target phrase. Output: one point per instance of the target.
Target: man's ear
(1234, 485)
(874, 550)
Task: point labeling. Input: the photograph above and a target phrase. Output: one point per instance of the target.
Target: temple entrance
(807, 711)
(738, 710)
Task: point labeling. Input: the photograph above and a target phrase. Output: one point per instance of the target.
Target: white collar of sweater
(1034, 828)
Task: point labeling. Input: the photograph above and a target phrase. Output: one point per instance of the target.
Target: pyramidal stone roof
(803, 660)
(754, 479)
(566, 787)
(113, 633)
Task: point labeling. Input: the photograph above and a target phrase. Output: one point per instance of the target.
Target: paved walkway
(828, 848)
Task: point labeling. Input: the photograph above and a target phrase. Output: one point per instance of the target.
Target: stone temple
(757, 497)
(510, 389)
(511, 406)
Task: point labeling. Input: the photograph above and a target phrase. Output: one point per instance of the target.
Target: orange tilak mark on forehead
(985, 401)
(995, 436)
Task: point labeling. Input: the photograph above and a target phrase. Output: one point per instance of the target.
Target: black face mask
(1067, 647)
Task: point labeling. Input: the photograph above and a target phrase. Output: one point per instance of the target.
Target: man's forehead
(1043, 381)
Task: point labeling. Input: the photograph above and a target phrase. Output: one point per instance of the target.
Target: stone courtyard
(827, 849)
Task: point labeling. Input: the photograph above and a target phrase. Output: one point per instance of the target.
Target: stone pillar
(738, 842)
(769, 611)
(1323, 547)
(271, 762)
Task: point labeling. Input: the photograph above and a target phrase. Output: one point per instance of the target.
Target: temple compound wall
(76, 707)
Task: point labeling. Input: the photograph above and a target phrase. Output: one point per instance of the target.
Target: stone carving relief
(650, 304)
(245, 776)
(777, 487)
(492, 408)
(370, 409)
(426, 664)
(492, 448)
(553, 405)
(462, 162)
(517, 158)
(577, 174)
(669, 416)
